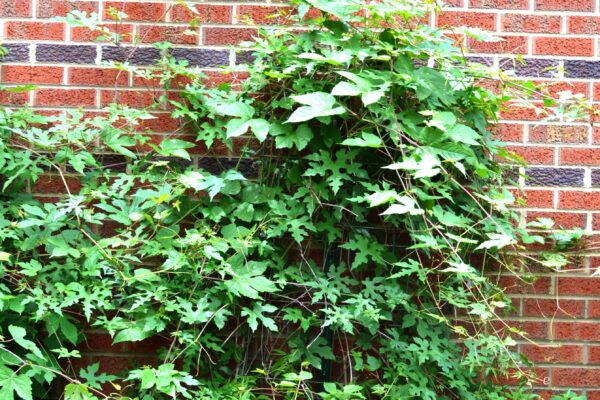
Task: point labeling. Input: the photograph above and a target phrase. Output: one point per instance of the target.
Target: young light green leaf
(365, 140)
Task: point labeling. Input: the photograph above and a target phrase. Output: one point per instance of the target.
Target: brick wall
(561, 311)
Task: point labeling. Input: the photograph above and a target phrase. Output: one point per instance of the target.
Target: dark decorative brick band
(596, 178)
(202, 57)
(244, 57)
(532, 67)
(59, 53)
(544, 176)
(582, 69)
(149, 55)
(16, 52)
(137, 55)
(487, 61)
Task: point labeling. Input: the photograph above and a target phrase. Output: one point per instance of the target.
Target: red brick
(564, 5)
(517, 112)
(124, 31)
(471, 19)
(13, 99)
(27, 30)
(513, 285)
(216, 78)
(131, 98)
(226, 36)
(507, 132)
(583, 24)
(55, 184)
(593, 395)
(579, 156)
(534, 155)
(596, 91)
(558, 134)
(594, 355)
(31, 74)
(530, 329)
(86, 76)
(578, 200)
(173, 34)
(531, 23)
(584, 331)
(555, 354)
(535, 198)
(205, 13)
(516, 378)
(596, 135)
(594, 309)
(500, 4)
(563, 46)
(566, 220)
(65, 97)
(552, 308)
(509, 44)
(264, 15)
(596, 221)
(555, 87)
(60, 8)
(588, 286)
(161, 123)
(15, 8)
(576, 377)
(137, 11)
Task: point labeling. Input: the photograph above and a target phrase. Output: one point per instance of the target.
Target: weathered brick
(60, 8)
(558, 134)
(531, 23)
(15, 8)
(29, 30)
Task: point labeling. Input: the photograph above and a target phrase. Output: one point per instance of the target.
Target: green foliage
(344, 269)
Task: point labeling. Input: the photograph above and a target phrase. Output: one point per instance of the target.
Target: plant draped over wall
(344, 255)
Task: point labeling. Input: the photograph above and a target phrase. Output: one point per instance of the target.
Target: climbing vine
(346, 251)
